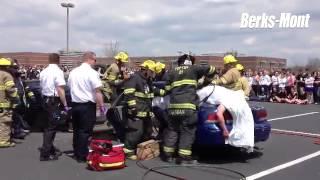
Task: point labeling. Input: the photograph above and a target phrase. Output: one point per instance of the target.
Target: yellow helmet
(159, 67)
(239, 67)
(122, 56)
(229, 59)
(5, 62)
(149, 64)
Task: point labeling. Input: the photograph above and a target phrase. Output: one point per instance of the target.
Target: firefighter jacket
(112, 79)
(138, 96)
(183, 81)
(8, 92)
(25, 95)
(159, 83)
(230, 80)
(245, 86)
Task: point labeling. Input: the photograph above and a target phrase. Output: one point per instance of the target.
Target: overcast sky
(158, 27)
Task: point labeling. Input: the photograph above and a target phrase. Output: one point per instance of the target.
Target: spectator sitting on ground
(280, 96)
(303, 98)
(292, 97)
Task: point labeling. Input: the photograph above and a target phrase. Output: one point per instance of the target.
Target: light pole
(67, 5)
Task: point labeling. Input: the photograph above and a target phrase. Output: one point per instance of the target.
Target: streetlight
(67, 5)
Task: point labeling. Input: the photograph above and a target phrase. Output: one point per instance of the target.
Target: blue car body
(210, 134)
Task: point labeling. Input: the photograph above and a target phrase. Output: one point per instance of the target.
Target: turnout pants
(5, 126)
(138, 129)
(180, 132)
(51, 104)
(83, 118)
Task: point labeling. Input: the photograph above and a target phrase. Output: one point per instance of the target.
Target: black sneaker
(49, 158)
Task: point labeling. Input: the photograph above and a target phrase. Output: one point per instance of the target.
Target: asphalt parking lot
(285, 156)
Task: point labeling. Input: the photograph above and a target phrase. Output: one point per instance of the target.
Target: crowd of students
(285, 86)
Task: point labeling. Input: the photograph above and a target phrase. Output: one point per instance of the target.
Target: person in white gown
(242, 133)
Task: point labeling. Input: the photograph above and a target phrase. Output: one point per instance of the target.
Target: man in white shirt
(265, 82)
(52, 83)
(85, 85)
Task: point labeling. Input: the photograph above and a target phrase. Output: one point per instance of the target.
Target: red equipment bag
(105, 156)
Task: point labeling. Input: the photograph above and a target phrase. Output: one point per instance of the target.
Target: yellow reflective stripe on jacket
(185, 152)
(111, 77)
(162, 92)
(129, 91)
(132, 103)
(212, 69)
(223, 80)
(167, 87)
(29, 94)
(142, 114)
(168, 149)
(9, 84)
(14, 93)
(2, 87)
(4, 105)
(184, 82)
(143, 95)
(183, 106)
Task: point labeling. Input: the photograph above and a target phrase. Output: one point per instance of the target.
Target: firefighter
(244, 81)
(184, 101)
(160, 104)
(26, 96)
(231, 78)
(115, 76)
(138, 96)
(8, 101)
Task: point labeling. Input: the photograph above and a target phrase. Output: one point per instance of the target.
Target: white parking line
(283, 166)
(297, 115)
(298, 133)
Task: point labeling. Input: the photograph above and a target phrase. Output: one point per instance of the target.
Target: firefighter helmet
(239, 67)
(229, 59)
(5, 62)
(122, 56)
(159, 67)
(149, 64)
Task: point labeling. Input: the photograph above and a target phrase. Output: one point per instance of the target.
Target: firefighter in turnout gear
(245, 86)
(231, 79)
(184, 101)
(26, 96)
(8, 101)
(160, 104)
(138, 96)
(115, 76)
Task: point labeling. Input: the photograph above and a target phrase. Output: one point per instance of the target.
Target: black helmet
(186, 59)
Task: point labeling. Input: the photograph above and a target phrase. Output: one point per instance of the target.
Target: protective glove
(66, 109)
(103, 110)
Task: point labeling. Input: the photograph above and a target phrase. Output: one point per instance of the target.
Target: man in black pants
(85, 85)
(52, 83)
